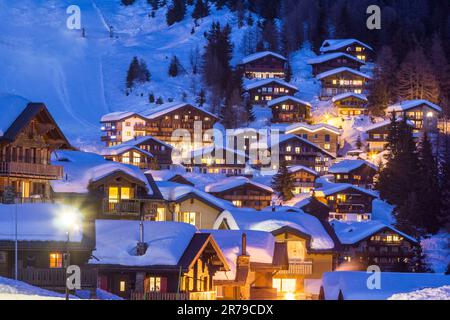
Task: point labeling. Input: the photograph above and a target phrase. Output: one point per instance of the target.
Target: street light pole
(67, 263)
(15, 243)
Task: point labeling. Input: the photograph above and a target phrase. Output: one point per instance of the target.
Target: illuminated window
(127, 124)
(237, 203)
(113, 194)
(327, 146)
(136, 158)
(160, 214)
(358, 49)
(125, 193)
(256, 98)
(176, 117)
(122, 286)
(296, 250)
(56, 260)
(284, 285)
(429, 114)
(188, 217)
(288, 158)
(126, 158)
(334, 81)
(297, 149)
(288, 149)
(154, 284)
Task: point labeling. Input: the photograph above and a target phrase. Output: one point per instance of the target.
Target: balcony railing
(55, 278)
(203, 295)
(298, 267)
(122, 207)
(44, 171)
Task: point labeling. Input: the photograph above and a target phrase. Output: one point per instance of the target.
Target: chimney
(244, 244)
(141, 247)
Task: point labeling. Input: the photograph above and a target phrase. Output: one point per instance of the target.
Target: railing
(298, 267)
(244, 197)
(32, 169)
(203, 295)
(122, 207)
(20, 200)
(55, 278)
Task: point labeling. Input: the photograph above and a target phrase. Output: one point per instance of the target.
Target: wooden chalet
(357, 172)
(377, 135)
(346, 202)
(356, 48)
(242, 192)
(145, 152)
(28, 135)
(263, 65)
(350, 104)
(260, 92)
(323, 135)
(330, 61)
(44, 247)
(289, 109)
(424, 114)
(106, 190)
(307, 258)
(374, 243)
(303, 178)
(160, 122)
(342, 80)
(170, 261)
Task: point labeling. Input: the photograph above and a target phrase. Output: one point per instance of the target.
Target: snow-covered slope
(17, 290)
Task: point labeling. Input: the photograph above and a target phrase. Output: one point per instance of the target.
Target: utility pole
(67, 263)
(15, 243)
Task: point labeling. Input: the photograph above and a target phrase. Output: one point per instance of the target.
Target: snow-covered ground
(442, 293)
(17, 290)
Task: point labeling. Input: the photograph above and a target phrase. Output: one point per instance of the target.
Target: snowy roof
(293, 169)
(119, 149)
(164, 175)
(353, 232)
(83, 168)
(409, 104)
(169, 107)
(256, 84)
(172, 191)
(234, 182)
(330, 56)
(11, 106)
(37, 222)
(285, 137)
(207, 151)
(353, 284)
(347, 165)
(312, 128)
(383, 123)
(271, 221)
(287, 98)
(132, 144)
(340, 70)
(345, 95)
(281, 208)
(336, 44)
(116, 116)
(329, 188)
(116, 242)
(259, 55)
(260, 248)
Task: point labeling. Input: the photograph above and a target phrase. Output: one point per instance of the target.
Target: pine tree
(128, 2)
(282, 183)
(359, 142)
(144, 74)
(445, 183)
(249, 110)
(151, 97)
(201, 99)
(416, 79)
(174, 67)
(288, 77)
(201, 9)
(159, 100)
(441, 68)
(133, 72)
(417, 262)
(176, 12)
(342, 24)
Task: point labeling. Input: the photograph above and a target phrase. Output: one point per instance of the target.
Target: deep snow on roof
(311, 127)
(409, 104)
(353, 284)
(335, 44)
(259, 55)
(270, 221)
(293, 169)
(116, 116)
(116, 242)
(287, 98)
(347, 165)
(165, 175)
(169, 107)
(349, 94)
(11, 106)
(330, 56)
(82, 168)
(172, 191)
(260, 248)
(286, 137)
(353, 232)
(37, 222)
(259, 83)
(328, 188)
(234, 182)
(383, 123)
(340, 70)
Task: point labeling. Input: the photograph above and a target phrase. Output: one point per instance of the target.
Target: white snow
(297, 168)
(169, 107)
(260, 248)
(347, 95)
(234, 182)
(335, 44)
(409, 104)
(312, 127)
(353, 284)
(117, 116)
(260, 83)
(287, 98)
(17, 290)
(347, 165)
(38, 222)
(441, 293)
(259, 55)
(82, 168)
(437, 251)
(328, 188)
(330, 56)
(117, 240)
(270, 221)
(340, 70)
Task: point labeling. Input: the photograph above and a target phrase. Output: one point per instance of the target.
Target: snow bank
(347, 165)
(234, 182)
(17, 290)
(37, 222)
(442, 293)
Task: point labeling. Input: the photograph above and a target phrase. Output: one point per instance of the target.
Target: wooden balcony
(202, 295)
(22, 169)
(55, 278)
(131, 208)
(247, 198)
(298, 267)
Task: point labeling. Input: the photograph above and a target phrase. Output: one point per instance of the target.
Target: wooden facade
(423, 114)
(324, 136)
(342, 80)
(377, 135)
(263, 65)
(350, 104)
(361, 176)
(289, 110)
(261, 92)
(352, 47)
(246, 195)
(303, 179)
(332, 61)
(160, 123)
(25, 150)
